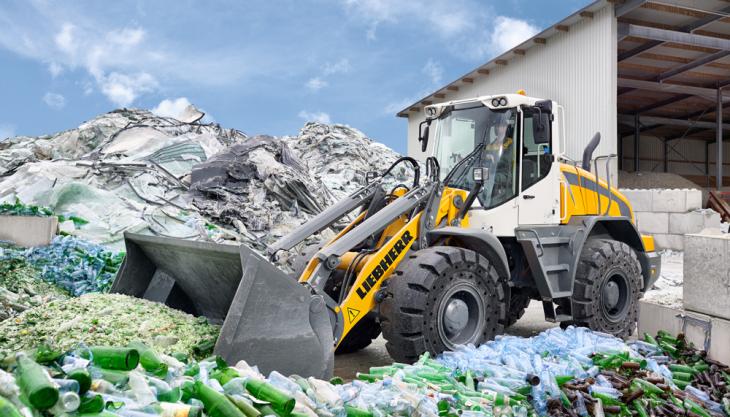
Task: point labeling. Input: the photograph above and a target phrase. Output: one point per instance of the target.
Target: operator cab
(517, 151)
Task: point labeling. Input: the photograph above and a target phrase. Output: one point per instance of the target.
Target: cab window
(536, 157)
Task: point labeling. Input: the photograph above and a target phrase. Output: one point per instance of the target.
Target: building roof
(539, 40)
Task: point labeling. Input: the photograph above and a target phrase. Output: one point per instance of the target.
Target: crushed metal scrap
(130, 170)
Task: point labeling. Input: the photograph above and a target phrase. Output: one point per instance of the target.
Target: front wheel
(438, 298)
(607, 287)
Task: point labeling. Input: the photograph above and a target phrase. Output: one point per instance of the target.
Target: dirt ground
(346, 366)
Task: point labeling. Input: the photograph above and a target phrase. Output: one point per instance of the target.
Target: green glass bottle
(91, 404)
(149, 359)
(357, 412)
(281, 402)
(35, 384)
(7, 409)
(81, 376)
(247, 408)
(216, 404)
(120, 359)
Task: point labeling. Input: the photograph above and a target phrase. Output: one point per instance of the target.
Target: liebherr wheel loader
(501, 217)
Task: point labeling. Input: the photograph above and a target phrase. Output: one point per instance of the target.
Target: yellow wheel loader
(500, 218)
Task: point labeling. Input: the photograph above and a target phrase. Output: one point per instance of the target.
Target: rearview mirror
(541, 128)
(423, 130)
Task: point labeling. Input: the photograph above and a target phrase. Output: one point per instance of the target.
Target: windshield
(459, 130)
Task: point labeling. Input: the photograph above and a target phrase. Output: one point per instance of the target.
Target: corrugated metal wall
(575, 68)
(686, 157)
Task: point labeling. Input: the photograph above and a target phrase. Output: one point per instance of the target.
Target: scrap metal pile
(574, 372)
(130, 170)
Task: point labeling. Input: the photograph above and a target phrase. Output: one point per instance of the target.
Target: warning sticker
(352, 314)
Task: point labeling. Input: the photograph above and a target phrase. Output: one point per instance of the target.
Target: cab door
(539, 199)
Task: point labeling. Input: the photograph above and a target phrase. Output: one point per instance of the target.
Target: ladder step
(555, 240)
(561, 294)
(559, 318)
(556, 268)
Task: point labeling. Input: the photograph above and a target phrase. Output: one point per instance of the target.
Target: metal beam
(691, 131)
(665, 35)
(637, 135)
(666, 155)
(691, 65)
(628, 6)
(667, 121)
(707, 93)
(686, 28)
(662, 103)
(642, 129)
(719, 128)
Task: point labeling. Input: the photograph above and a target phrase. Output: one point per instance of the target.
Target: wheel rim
(615, 296)
(461, 315)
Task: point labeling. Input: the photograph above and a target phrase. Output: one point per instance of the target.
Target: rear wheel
(366, 330)
(607, 287)
(439, 298)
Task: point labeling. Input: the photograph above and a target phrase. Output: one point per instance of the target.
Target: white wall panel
(575, 68)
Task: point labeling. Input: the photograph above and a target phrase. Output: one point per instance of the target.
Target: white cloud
(6, 131)
(316, 84)
(123, 89)
(171, 108)
(434, 71)
(340, 67)
(509, 32)
(320, 117)
(65, 38)
(55, 69)
(54, 100)
(443, 17)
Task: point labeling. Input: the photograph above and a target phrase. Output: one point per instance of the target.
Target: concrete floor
(346, 366)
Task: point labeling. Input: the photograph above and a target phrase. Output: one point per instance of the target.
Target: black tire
(607, 288)
(518, 302)
(365, 331)
(413, 311)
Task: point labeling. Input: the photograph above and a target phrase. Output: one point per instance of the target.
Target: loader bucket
(269, 319)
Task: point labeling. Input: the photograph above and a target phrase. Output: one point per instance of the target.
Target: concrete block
(683, 223)
(700, 329)
(712, 219)
(669, 241)
(707, 274)
(652, 222)
(640, 199)
(28, 231)
(672, 201)
(694, 200)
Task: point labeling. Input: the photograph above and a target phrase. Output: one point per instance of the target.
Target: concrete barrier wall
(28, 231)
(704, 331)
(707, 274)
(670, 214)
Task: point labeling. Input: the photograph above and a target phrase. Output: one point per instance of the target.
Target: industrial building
(650, 76)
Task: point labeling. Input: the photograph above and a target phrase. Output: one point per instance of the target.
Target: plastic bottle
(140, 390)
(68, 402)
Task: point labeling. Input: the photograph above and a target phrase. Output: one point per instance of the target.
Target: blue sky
(258, 66)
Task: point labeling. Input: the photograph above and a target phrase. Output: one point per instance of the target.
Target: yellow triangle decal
(352, 314)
